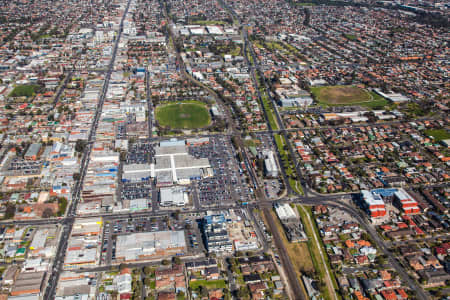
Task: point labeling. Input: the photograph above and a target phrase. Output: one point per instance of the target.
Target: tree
(80, 145)
(203, 291)
(123, 155)
(147, 281)
(10, 210)
(242, 293)
(176, 260)
(76, 176)
(47, 213)
(147, 270)
(165, 262)
(176, 215)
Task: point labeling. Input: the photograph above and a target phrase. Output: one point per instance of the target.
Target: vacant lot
(183, 115)
(347, 95)
(298, 252)
(438, 134)
(210, 284)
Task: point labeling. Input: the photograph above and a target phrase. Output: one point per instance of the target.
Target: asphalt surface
(288, 267)
(310, 198)
(58, 263)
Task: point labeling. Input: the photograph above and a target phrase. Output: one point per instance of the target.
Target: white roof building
(285, 212)
(173, 196)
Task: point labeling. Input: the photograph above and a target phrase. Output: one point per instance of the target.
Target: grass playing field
(347, 95)
(183, 115)
(26, 90)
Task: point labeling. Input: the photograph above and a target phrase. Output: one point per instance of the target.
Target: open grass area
(208, 22)
(183, 115)
(267, 104)
(304, 4)
(314, 246)
(347, 95)
(288, 165)
(251, 143)
(296, 186)
(270, 113)
(350, 37)
(25, 90)
(438, 134)
(210, 284)
(298, 252)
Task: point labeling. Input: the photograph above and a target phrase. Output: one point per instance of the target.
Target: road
(380, 243)
(329, 281)
(50, 291)
(149, 104)
(294, 284)
(310, 197)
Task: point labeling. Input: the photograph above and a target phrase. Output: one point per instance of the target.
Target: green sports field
(347, 95)
(183, 115)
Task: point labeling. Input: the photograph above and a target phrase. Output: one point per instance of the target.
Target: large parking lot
(136, 190)
(272, 188)
(227, 185)
(138, 153)
(20, 166)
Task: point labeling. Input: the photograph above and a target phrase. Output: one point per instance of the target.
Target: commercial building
(83, 244)
(270, 164)
(292, 225)
(216, 234)
(136, 172)
(173, 196)
(43, 243)
(33, 151)
(285, 212)
(147, 245)
(28, 284)
(173, 164)
(75, 286)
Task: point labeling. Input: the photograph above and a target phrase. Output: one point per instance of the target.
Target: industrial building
(147, 245)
